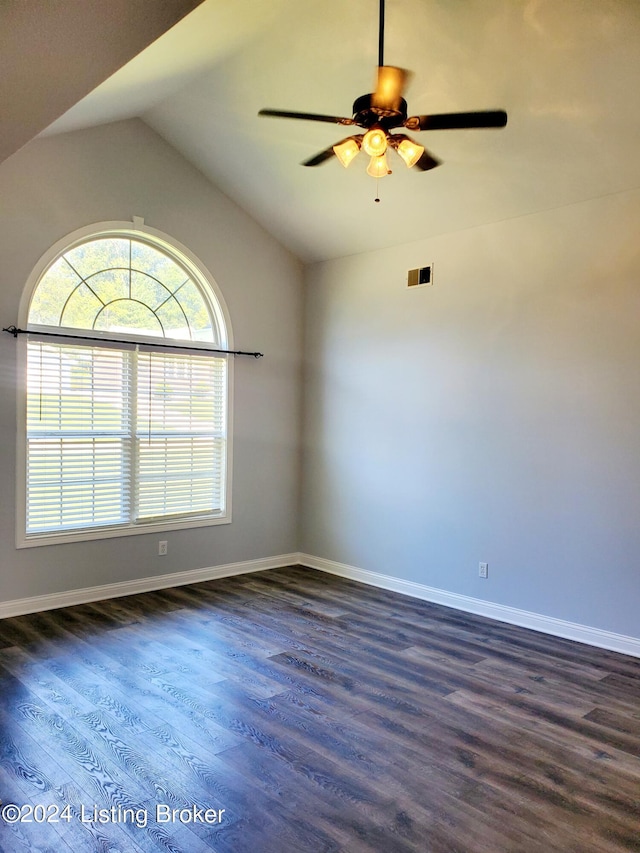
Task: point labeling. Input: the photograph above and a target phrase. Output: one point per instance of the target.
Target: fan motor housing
(366, 115)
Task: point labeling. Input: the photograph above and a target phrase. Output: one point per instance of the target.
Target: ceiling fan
(384, 111)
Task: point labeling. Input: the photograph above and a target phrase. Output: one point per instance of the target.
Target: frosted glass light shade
(374, 142)
(378, 167)
(346, 151)
(410, 152)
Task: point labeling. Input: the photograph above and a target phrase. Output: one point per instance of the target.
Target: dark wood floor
(321, 715)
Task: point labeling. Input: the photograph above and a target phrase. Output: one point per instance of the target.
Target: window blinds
(120, 437)
(180, 435)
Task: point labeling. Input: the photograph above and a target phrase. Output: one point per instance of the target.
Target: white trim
(88, 534)
(511, 615)
(37, 603)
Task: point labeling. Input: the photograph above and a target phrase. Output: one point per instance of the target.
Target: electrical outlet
(162, 548)
(483, 570)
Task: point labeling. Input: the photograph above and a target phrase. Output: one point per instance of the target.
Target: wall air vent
(422, 277)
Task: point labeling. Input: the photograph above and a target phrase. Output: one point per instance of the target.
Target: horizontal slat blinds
(78, 443)
(180, 435)
(120, 437)
(179, 475)
(76, 483)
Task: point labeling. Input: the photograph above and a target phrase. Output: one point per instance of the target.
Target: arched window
(127, 408)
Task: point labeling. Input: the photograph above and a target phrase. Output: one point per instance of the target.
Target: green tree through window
(122, 284)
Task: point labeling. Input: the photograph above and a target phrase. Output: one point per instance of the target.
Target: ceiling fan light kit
(409, 150)
(347, 150)
(381, 112)
(374, 142)
(378, 166)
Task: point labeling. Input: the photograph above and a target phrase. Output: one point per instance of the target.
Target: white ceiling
(566, 71)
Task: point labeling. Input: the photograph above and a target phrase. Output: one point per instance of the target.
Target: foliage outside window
(123, 435)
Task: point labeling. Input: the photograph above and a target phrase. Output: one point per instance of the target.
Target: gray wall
(492, 417)
(56, 185)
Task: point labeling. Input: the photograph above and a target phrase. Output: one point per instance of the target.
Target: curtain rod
(13, 330)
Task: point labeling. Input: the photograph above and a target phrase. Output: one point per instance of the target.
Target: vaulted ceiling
(566, 71)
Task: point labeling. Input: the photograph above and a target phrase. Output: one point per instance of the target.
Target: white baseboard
(511, 615)
(523, 618)
(37, 603)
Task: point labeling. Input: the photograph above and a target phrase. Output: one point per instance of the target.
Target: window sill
(36, 540)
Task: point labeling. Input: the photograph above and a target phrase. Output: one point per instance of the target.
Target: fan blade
(307, 116)
(458, 121)
(389, 88)
(321, 157)
(426, 162)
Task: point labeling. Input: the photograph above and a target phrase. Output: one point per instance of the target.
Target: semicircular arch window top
(125, 285)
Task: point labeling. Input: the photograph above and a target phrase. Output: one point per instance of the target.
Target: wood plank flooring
(309, 713)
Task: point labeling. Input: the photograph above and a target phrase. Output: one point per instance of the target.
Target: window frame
(135, 229)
